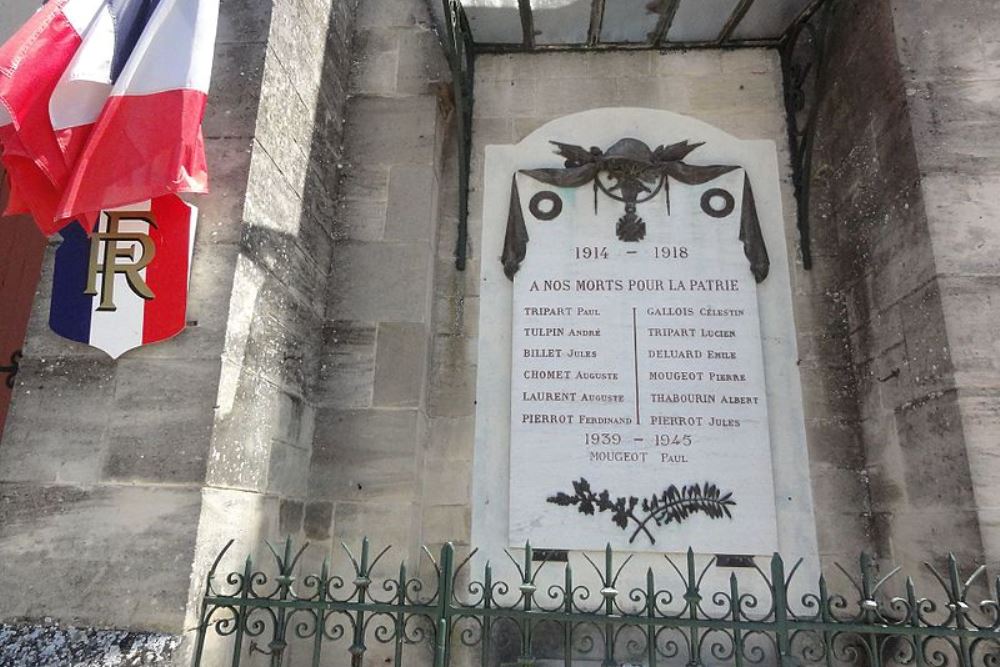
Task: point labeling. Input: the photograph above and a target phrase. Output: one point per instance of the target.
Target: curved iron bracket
(12, 370)
(461, 60)
(803, 56)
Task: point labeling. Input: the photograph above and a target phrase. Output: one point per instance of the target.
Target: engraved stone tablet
(638, 411)
(642, 371)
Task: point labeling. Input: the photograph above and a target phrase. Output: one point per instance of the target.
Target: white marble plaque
(638, 380)
(638, 408)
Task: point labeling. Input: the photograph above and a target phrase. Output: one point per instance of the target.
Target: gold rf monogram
(108, 264)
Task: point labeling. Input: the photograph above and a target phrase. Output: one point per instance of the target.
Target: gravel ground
(51, 645)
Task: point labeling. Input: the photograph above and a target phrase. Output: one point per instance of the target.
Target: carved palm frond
(673, 505)
(675, 152)
(576, 155)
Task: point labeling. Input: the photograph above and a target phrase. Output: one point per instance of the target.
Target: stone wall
(741, 93)
(903, 241)
(950, 61)
(325, 387)
(116, 476)
(373, 404)
(102, 462)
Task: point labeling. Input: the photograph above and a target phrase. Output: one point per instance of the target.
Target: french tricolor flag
(104, 101)
(31, 64)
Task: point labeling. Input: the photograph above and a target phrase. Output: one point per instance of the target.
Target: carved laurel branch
(673, 505)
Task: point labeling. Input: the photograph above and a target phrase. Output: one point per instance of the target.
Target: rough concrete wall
(102, 461)
(117, 476)
(366, 473)
(741, 93)
(874, 242)
(256, 481)
(263, 430)
(950, 56)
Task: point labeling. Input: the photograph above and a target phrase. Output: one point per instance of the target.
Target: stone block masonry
(951, 81)
(325, 387)
(121, 480)
(905, 185)
(373, 418)
(741, 93)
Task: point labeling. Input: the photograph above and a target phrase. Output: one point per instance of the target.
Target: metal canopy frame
(803, 47)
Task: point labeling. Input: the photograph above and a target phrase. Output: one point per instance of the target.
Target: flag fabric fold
(31, 64)
(101, 103)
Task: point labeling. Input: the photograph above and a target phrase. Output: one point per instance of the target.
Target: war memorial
(527, 332)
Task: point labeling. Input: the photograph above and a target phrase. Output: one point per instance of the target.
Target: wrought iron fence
(452, 618)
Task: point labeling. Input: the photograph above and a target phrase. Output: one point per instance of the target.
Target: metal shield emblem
(126, 284)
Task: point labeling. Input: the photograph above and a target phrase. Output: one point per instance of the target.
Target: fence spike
(568, 583)
(650, 590)
(650, 613)
(780, 609)
(911, 602)
(528, 553)
(824, 598)
(608, 565)
(488, 585)
(954, 579)
(736, 607)
(692, 581)
(288, 552)
(867, 587)
(364, 557)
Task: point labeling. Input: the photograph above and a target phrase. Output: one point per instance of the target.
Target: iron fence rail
(328, 619)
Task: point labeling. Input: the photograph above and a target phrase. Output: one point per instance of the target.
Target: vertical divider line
(635, 359)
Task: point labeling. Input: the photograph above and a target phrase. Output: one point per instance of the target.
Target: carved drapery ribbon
(636, 174)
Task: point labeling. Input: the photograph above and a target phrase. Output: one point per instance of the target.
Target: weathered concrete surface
(122, 480)
(904, 184)
(950, 57)
(366, 473)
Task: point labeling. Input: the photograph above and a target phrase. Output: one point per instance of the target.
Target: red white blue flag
(101, 103)
(125, 284)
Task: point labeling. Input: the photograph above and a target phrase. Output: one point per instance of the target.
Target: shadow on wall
(264, 424)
